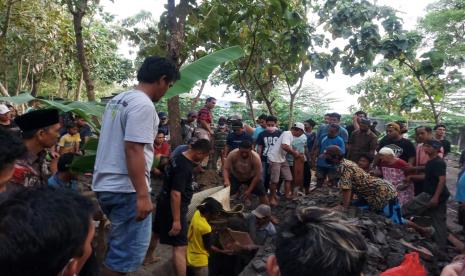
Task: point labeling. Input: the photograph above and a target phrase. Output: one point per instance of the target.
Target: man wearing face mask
(45, 231)
(362, 141)
(265, 142)
(125, 155)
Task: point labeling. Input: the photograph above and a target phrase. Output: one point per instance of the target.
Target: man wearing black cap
(40, 131)
(163, 126)
(362, 141)
(432, 201)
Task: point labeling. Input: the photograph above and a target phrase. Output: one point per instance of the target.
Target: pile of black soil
(387, 242)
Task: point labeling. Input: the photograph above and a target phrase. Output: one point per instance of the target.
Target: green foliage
(38, 50)
(202, 68)
(444, 25)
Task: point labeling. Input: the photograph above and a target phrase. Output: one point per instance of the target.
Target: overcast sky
(336, 84)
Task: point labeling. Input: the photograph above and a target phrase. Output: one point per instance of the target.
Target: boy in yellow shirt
(198, 244)
(69, 143)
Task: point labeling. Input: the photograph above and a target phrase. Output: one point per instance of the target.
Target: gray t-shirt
(130, 116)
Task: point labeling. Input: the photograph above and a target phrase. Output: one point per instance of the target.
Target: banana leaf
(19, 100)
(83, 164)
(202, 68)
(91, 144)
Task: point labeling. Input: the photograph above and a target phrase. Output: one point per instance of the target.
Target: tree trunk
(3, 90)
(77, 95)
(26, 78)
(20, 75)
(430, 100)
(35, 82)
(291, 110)
(199, 93)
(250, 104)
(61, 88)
(176, 29)
(81, 55)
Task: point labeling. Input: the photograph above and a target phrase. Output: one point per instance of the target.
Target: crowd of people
(46, 226)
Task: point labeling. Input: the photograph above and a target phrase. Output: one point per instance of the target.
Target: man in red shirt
(205, 119)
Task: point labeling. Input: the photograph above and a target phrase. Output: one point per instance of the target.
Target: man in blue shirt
(236, 137)
(261, 121)
(323, 169)
(64, 178)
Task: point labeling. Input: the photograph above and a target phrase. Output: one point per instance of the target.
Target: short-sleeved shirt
(178, 177)
(259, 235)
(233, 141)
(205, 114)
(323, 132)
(311, 137)
(68, 142)
(165, 129)
(128, 117)
(375, 191)
(30, 171)
(197, 255)
(362, 143)
(256, 132)
(434, 169)
(276, 154)
(84, 131)
(179, 150)
(421, 157)
(243, 169)
(267, 139)
(55, 181)
(163, 149)
(187, 130)
(403, 148)
(446, 146)
(324, 144)
(298, 144)
(220, 138)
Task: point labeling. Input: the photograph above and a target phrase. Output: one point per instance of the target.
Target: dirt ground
(211, 179)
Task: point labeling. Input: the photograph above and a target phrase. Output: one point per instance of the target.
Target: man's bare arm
(135, 162)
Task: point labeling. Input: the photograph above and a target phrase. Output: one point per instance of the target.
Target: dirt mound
(387, 242)
(209, 179)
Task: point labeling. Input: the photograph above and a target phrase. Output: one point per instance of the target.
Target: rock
(394, 259)
(259, 265)
(380, 237)
(385, 249)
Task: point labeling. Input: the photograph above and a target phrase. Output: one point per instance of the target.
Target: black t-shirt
(178, 177)
(350, 129)
(233, 140)
(267, 139)
(403, 148)
(435, 168)
(446, 146)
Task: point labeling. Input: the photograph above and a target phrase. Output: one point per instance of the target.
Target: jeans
(129, 239)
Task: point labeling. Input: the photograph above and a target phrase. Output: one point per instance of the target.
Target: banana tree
(92, 111)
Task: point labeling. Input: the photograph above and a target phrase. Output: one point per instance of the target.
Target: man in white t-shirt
(279, 167)
(122, 167)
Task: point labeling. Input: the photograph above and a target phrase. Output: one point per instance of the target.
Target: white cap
(299, 126)
(262, 211)
(4, 109)
(386, 151)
